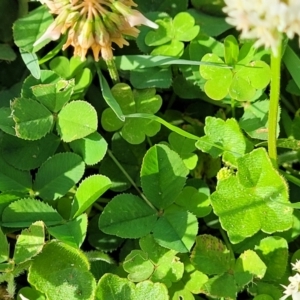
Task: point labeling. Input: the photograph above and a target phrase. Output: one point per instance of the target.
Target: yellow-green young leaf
(72, 233)
(4, 247)
(167, 266)
(111, 286)
(23, 212)
(133, 130)
(30, 242)
(62, 272)
(58, 175)
(88, 192)
(91, 148)
(163, 175)
(257, 201)
(273, 251)
(218, 79)
(223, 138)
(76, 120)
(210, 255)
(33, 120)
(138, 265)
(127, 216)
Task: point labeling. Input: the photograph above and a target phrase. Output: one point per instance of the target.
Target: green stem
(23, 8)
(113, 72)
(287, 157)
(130, 179)
(274, 105)
(226, 241)
(233, 107)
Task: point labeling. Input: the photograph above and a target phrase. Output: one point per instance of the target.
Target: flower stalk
(274, 105)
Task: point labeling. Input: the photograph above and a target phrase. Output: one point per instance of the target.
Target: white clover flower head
(293, 289)
(296, 266)
(263, 21)
(94, 24)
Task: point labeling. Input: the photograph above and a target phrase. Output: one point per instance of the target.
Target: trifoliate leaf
(223, 138)
(218, 79)
(88, 192)
(127, 216)
(176, 229)
(30, 242)
(133, 130)
(24, 212)
(76, 120)
(33, 120)
(111, 286)
(257, 200)
(138, 265)
(168, 268)
(58, 175)
(55, 95)
(62, 272)
(163, 175)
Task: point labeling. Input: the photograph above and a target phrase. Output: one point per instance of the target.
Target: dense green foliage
(156, 187)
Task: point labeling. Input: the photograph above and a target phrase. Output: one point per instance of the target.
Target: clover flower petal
(94, 24)
(266, 23)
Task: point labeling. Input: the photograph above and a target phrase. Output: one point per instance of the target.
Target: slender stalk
(274, 105)
(233, 107)
(130, 179)
(113, 72)
(227, 242)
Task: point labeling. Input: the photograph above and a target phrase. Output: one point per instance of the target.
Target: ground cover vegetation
(149, 149)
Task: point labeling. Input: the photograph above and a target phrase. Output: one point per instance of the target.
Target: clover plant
(144, 153)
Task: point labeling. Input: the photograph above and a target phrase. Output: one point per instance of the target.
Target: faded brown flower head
(94, 24)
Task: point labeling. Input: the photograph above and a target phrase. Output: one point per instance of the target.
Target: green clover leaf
(134, 130)
(257, 200)
(169, 38)
(239, 83)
